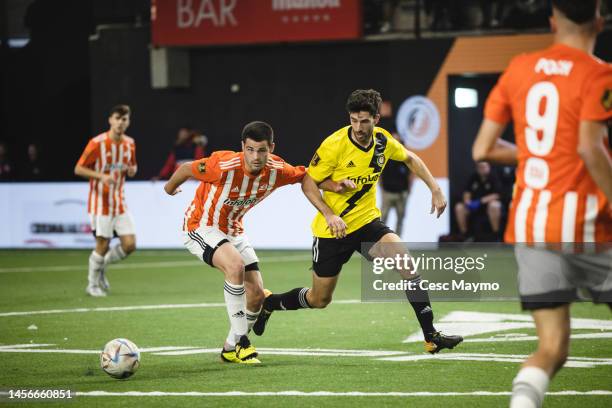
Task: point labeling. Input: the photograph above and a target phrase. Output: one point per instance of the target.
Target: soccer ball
(120, 358)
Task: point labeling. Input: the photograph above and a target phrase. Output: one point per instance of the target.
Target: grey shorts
(549, 278)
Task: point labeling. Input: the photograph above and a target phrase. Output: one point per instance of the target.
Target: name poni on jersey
(107, 156)
(228, 191)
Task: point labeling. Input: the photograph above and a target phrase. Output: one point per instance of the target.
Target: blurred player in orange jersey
(560, 100)
(106, 160)
(231, 184)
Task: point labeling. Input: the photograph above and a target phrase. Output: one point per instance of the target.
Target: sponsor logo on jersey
(202, 167)
(240, 202)
(350, 164)
(369, 179)
(235, 190)
(114, 167)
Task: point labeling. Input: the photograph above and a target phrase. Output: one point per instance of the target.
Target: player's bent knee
(234, 271)
(102, 247)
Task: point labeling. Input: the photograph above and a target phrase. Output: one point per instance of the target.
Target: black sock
(292, 300)
(419, 300)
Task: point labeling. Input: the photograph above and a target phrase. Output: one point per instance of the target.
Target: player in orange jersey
(106, 160)
(560, 100)
(231, 184)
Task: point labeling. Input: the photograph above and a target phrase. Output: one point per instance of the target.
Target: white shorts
(105, 225)
(548, 278)
(204, 241)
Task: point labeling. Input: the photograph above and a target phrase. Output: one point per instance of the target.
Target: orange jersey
(547, 94)
(228, 191)
(104, 155)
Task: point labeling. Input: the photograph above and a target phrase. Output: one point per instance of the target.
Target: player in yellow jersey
(354, 158)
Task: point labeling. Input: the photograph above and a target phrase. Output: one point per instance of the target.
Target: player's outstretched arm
(181, 175)
(593, 151)
(489, 146)
(336, 224)
(418, 167)
(88, 173)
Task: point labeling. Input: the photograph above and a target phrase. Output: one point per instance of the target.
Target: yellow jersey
(340, 157)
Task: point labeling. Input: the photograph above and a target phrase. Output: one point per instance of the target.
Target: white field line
(572, 362)
(44, 351)
(185, 350)
(382, 355)
(26, 345)
(145, 265)
(138, 307)
(324, 394)
(291, 352)
(604, 335)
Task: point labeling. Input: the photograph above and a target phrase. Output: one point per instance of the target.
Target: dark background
(299, 89)
(85, 56)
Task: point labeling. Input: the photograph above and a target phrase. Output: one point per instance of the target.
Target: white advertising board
(54, 215)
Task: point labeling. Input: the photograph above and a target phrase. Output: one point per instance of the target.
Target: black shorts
(329, 254)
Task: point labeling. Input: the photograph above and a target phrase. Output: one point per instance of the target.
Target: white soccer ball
(120, 358)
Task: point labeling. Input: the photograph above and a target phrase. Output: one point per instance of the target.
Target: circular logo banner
(418, 122)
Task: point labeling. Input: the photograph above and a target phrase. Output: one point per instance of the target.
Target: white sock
(529, 387)
(235, 302)
(96, 263)
(251, 318)
(115, 254)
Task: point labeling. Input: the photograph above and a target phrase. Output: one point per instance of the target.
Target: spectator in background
(438, 12)
(481, 196)
(524, 14)
(378, 16)
(33, 169)
(189, 145)
(7, 170)
(396, 180)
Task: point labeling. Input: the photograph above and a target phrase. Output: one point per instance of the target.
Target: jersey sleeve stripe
(230, 162)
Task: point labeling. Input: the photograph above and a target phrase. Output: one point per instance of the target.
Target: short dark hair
(120, 110)
(368, 100)
(578, 11)
(258, 131)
